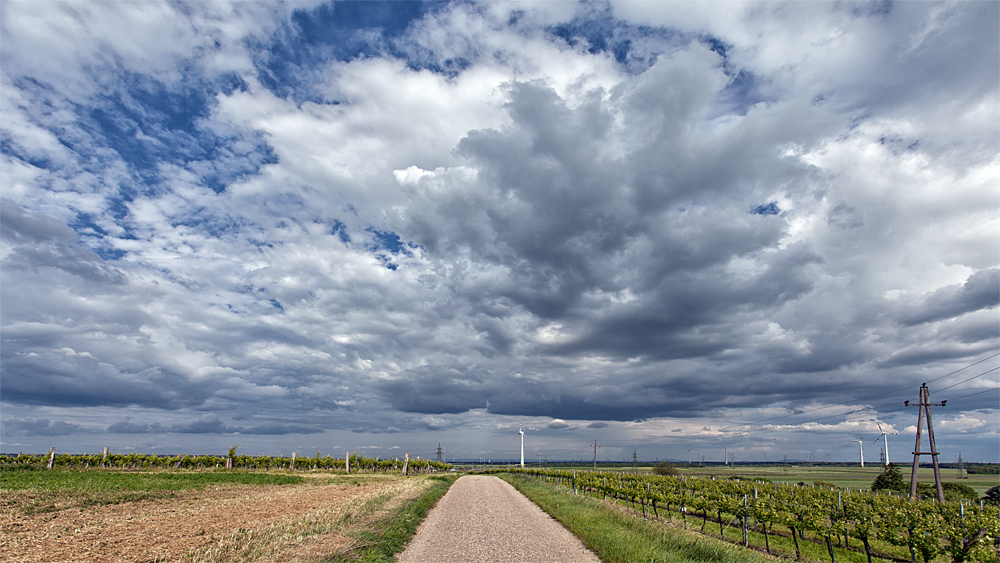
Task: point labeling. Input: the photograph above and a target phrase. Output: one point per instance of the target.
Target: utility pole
(440, 453)
(961, 467)
(595, 455)
(925, 409)
(635, 460)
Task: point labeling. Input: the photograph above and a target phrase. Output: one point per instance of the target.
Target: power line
(970, 379)
(884, 393)
(976, 393)
(688, 439)
(896, 404)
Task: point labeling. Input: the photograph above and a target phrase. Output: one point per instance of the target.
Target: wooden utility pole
(595, 455)
(925, 409)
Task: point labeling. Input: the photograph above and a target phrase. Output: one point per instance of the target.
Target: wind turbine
(885, 441)
(521, 433)
(862, 446)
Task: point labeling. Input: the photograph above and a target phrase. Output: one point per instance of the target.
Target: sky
(681, 229)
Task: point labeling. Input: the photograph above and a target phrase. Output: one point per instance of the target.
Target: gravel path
(484, 519)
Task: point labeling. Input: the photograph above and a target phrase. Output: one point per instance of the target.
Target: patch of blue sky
(770, 208)
(340, 229)
(873, 8)
(10, 148)
(146, 123)
(635, 48)
(208, 223)
(386, 245)
(740, 94)
(96, 238)
(291, 64)
(388, 241)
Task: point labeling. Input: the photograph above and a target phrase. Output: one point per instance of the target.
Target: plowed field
(219, 523)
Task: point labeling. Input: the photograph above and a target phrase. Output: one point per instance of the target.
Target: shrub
(665, 468)
(993, 496)
(891, 479)
(958, 491)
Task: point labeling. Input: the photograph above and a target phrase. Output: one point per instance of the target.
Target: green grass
(31, 492)
(98, 480)
(618, 537)
(381, 542)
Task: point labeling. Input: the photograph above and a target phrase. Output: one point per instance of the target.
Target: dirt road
(484, 519)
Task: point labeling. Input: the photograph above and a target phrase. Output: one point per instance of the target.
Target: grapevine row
(963, 531)
(136, 461)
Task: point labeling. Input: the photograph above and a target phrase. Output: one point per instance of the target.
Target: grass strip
(617, 537)
(100, 480)
(33, 492)
(390, 535)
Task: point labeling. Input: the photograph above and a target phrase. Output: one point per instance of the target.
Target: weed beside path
(390, 533)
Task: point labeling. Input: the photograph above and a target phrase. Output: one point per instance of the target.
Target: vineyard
(879, 525)
(134, 461)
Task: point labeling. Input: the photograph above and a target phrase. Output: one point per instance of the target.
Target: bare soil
(224, 523)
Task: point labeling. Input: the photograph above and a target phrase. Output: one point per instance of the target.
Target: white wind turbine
(862, 446)
(885, 441)
(521, 433)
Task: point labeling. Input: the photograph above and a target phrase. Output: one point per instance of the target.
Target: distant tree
(993, 495)
(891, 479)
(665, 468)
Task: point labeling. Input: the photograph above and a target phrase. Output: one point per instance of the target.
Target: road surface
(485, 520)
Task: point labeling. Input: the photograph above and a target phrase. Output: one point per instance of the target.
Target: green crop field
(845, 476)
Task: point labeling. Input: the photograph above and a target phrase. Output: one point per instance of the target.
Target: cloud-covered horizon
(408, 223)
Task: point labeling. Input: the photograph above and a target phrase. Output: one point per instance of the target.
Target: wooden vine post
(292, 465)
(406, 462)
(347, 462)
(52, 457)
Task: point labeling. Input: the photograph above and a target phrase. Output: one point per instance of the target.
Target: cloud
(42, 427)
(557, 424)
(129, 427)
(337, 220)
(980, 291)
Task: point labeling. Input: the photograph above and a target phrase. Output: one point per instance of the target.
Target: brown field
(304, 522)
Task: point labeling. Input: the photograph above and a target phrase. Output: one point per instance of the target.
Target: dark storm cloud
(129, 427)
(211, 425)
(980, 291)
(40, 242)
(41, 427)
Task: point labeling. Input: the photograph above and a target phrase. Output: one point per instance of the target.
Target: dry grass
(303, 522)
